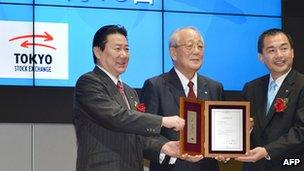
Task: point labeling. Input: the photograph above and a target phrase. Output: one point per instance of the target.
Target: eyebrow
(119, 44)
(283, 44)
(197, 42)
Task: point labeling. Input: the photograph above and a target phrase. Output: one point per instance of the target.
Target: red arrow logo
(25, 44)
(46, 36)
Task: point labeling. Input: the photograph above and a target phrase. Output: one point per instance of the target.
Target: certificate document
(215, 128)
(227, 126)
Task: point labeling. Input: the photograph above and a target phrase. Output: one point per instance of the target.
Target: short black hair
(100, 37)
(272, 32)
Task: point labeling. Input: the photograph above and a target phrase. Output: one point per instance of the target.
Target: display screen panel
(12, 34)
(256, 7)
(45, 45)
(231, 26)
(230, 54)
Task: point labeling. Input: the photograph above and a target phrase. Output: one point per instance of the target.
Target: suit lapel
(132, 98)
(175, 85)
(202, 88)
(283, 93)
(177, 90)
(262, 101)
(110, 86)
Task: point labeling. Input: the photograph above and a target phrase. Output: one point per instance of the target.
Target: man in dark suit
(111, 134)
(277, 107)
(161, 94)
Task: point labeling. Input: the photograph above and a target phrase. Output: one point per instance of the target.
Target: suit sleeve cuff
(162, 158)
(267, 157)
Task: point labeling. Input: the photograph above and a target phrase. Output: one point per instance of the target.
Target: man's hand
(253, 155)
(190, 158)
(174, 122)
(171, 148)
(221, 158)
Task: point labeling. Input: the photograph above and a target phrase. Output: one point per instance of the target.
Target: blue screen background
(230, 30)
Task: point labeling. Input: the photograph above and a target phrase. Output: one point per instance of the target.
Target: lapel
(132, 98)
(261, 101)
(283, 92)
(202, 88)
(174, 85)
(110, 86)
(177, 90)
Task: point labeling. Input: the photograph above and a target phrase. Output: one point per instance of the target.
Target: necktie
(122, 92)
(191, 93)
(272, 90)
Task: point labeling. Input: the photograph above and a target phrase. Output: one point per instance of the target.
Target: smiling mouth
(196, 60)
(122, 64)
(281, 62)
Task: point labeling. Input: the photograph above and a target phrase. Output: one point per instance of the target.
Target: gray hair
(175, 38)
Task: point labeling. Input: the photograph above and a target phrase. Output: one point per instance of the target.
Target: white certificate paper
(227, 129)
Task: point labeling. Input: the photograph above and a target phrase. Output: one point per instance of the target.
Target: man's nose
(124, 53)
(197, 49)
(279, 53)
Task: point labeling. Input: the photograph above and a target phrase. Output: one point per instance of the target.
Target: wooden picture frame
(193, 134)
(228, 133)
(214, 128)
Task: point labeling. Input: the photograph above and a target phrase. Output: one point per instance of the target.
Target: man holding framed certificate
(277, 101)
(161, 94)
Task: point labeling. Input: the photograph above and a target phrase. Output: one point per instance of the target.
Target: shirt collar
(184, 80)
(113, 78)
(279, 80)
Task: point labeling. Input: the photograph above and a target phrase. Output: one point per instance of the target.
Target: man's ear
(261, 58)
(96, 51)
(173, 53)
(292, 53)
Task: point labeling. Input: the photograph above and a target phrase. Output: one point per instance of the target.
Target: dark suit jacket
(161, 96)
(282, 134)
(111, 137)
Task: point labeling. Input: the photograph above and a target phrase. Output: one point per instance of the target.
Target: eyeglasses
(190, 46)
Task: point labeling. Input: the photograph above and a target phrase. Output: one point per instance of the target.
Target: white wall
(38, 147)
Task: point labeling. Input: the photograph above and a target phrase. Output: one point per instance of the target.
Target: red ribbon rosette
(140, 107)
(280, 104)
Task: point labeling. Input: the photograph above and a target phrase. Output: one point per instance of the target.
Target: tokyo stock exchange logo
(25, 44)
(43, 53)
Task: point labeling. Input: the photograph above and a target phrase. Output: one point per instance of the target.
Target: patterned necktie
(272, 91)
(191, 93)
(122, 92)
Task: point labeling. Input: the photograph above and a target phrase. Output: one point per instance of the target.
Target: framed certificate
(215, 127)
(193, 134)
(227, 125)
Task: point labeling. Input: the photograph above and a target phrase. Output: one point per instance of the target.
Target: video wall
(48, 42)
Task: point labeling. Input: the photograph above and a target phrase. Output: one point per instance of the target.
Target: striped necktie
(191, 93)
(122, 92)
